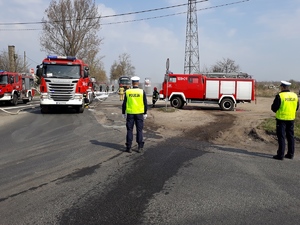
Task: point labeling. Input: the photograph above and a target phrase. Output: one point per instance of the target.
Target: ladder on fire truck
(227, 75)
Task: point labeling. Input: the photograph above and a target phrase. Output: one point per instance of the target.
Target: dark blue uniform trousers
(138, 121)
(285, 129)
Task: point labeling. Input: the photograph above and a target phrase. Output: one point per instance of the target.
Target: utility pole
(24, 65)
(192, 62)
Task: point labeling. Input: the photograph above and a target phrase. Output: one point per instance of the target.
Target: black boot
(277, 157)
(128, 148)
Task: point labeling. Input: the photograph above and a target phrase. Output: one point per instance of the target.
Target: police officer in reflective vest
(285, 105)
(134, 109)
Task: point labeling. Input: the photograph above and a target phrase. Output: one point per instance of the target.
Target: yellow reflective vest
(135, 103)
(288, 106)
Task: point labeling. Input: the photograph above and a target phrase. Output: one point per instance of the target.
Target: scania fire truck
(181, 89)
(63, 81)
(16, 87)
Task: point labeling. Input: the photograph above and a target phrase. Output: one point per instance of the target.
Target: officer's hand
(145, 116)
(124, 116)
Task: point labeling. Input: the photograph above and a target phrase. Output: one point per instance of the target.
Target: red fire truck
(181, 89)
(16, 87)
(63, 82)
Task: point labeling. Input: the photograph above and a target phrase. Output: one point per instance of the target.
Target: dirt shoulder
(208, 123)
(237, 129)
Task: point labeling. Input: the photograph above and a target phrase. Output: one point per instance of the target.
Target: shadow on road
(117, 147)
(241, 151)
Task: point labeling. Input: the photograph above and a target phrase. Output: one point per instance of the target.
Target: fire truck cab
(63, 81)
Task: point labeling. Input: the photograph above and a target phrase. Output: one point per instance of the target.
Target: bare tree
(70, 28)
(225, 66)
(97, 71)
(122, 68)
(96, 66)
(20, 65)
(205, 69)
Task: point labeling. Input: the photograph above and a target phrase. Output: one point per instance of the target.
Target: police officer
(285, 105)
(134, 110)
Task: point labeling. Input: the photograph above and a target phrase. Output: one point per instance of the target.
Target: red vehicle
(63, 81)
(16, 87)
(181, 89)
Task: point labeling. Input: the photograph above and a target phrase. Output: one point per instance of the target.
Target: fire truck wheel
(80, 109)
(30, 97)
(14, 101)
(176, 102)
(227, 104)
(44, 109)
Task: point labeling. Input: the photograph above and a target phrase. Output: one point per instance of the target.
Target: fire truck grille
(61, 92)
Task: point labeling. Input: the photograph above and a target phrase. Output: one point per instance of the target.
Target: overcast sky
(261, 36)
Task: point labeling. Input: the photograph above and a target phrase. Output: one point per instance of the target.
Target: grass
(269, 125)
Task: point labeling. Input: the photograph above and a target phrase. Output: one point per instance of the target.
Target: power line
(108, 16)
(31, 59)
(151, 10)
(174, 14)
(148, 18)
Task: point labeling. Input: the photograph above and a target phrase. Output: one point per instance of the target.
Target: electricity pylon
(191, 62)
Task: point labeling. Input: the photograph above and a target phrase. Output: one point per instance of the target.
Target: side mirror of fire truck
(39, 70)
(86, 72)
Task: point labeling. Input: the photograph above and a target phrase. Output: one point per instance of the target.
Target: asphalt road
(66, 168)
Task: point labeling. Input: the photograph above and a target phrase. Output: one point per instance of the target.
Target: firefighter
(285, 105)
(134, 110)
(154, 97)
(86, 101)
(121, 92)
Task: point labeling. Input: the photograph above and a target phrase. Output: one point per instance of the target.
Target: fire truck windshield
(62, 71)
(4, 79)
(124, 80)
